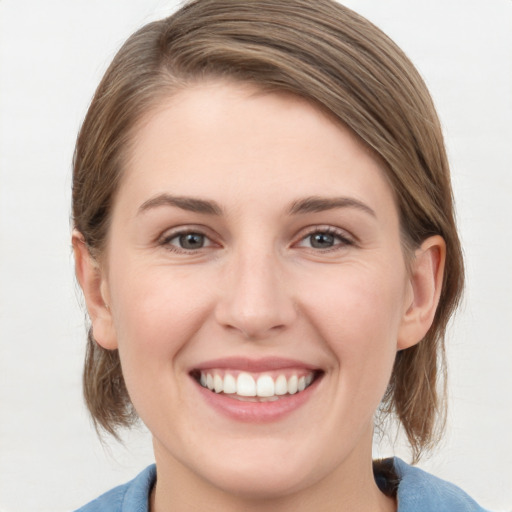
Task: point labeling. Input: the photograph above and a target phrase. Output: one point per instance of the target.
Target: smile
(249, 387)
(256, 391)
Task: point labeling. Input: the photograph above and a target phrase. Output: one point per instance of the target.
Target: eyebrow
(319, 204)
(190, 204)
(312, 204)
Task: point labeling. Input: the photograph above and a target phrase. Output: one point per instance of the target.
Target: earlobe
(426, 279)
(93, 284)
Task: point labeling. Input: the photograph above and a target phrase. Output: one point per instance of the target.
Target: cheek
(157, 312)
(358, 313)
(156, 316)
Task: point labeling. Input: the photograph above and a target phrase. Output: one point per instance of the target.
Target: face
(257, 286)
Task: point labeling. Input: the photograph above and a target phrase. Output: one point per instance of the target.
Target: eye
(186, 241)
(322, 240)
(325, 238)
(191, 240)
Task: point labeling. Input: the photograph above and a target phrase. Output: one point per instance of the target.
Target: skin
(258, 287)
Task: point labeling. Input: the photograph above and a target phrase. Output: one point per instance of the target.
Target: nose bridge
(256, 300)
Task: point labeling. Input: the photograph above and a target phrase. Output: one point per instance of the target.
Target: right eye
(190, 241)
(186, 241)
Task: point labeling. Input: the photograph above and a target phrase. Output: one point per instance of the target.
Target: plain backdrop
(52, 55)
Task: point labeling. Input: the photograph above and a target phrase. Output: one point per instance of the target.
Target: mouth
(266, 386)
(256, 391)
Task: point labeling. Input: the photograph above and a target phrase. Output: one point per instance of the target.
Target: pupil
(322, 240)
(192, 241)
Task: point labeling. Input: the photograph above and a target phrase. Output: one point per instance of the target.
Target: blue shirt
(418, 491)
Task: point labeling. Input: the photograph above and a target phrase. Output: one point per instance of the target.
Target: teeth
(281, 385)
(265, 386)
(293, 383)
(245, 385)
(218, 384)
(229, 384)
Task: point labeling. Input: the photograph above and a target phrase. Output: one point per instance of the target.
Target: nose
(256, 299)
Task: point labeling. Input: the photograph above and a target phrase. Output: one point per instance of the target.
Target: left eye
(324, 240)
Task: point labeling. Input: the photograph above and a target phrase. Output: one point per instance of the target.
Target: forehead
(224, 137)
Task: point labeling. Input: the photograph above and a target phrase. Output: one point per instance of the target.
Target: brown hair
(334, 58)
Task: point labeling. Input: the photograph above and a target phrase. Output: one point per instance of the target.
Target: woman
(265, 239)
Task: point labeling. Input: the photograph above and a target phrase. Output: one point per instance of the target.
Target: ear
(426, 279)
(95, 290)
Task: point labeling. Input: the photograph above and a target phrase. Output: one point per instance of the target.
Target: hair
(337, 60)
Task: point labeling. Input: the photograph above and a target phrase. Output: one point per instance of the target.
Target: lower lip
(256, 412)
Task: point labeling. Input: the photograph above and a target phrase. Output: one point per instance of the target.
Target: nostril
(255, 324)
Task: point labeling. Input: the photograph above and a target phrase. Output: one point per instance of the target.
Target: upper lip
(254, 365)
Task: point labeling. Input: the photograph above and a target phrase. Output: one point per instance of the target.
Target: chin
(260, 482)
(261, 471)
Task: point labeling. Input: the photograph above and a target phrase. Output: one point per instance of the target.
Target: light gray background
(52, 54)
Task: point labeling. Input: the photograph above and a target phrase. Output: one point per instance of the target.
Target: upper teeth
(263, 386)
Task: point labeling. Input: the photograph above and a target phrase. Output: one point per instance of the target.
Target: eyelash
(341, 236)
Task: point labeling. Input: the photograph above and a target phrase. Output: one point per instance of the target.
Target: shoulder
(130, 497)
(419, 491)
